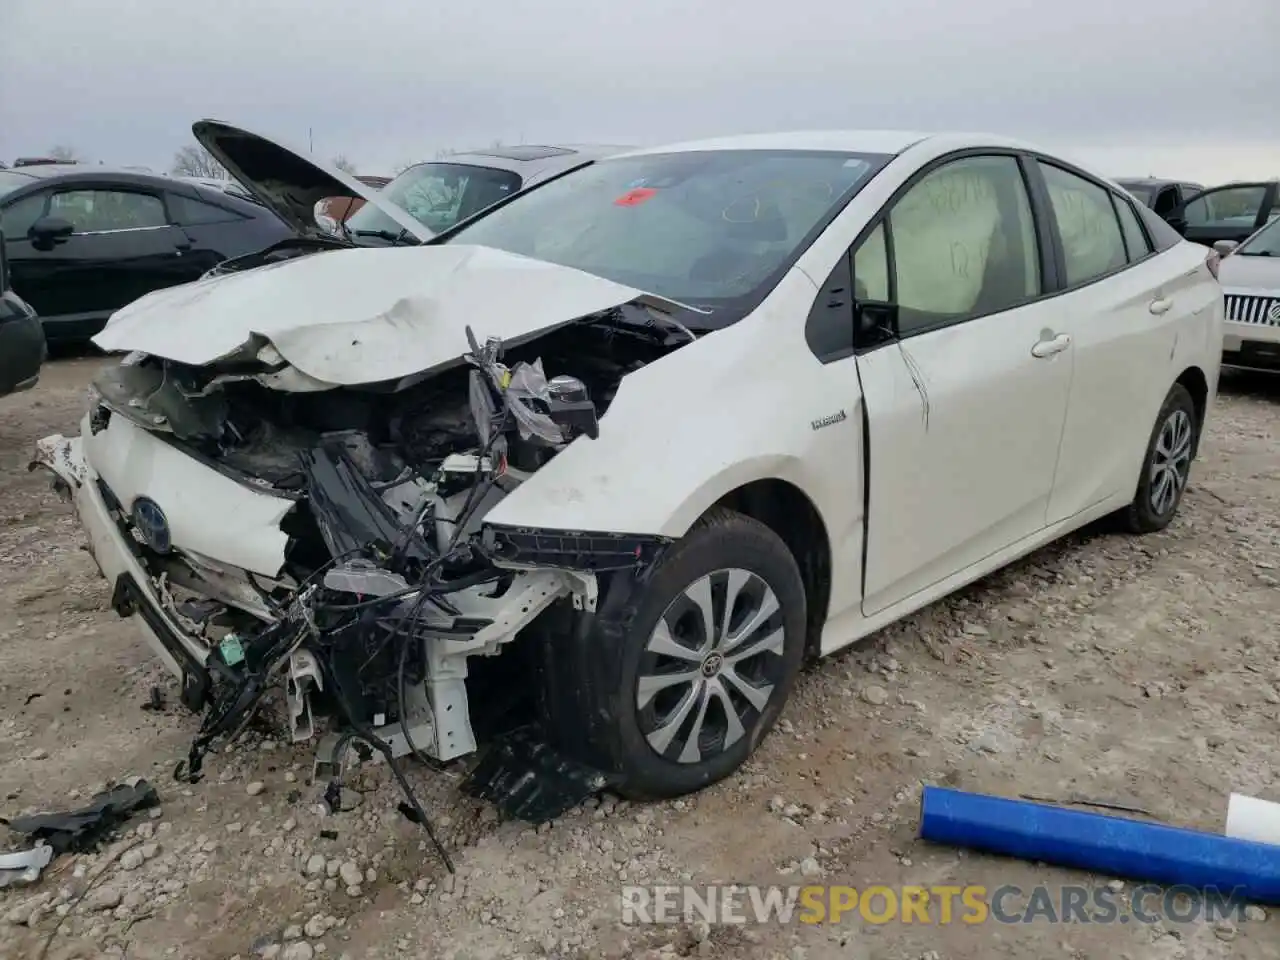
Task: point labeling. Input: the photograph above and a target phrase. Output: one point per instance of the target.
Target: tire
(1166, 465)
(618, 699)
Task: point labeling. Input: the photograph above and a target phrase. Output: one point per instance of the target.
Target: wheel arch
(1196, 384)
(790, 513)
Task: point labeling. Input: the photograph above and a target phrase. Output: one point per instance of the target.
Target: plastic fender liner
(576, 659)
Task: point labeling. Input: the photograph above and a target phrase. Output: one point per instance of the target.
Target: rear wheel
(702, 667)
(1166, 466)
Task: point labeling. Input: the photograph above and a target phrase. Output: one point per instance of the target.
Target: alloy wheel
(1170, 462)
(710, 666)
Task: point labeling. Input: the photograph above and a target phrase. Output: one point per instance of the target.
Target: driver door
(1232, 212)
(122, 246)
(966, 407)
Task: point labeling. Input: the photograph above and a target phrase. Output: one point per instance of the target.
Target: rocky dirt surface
(1144, 671)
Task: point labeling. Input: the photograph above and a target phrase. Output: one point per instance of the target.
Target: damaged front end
(277, 533)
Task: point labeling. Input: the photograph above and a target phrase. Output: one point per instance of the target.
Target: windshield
(437, 195)
(10, 181)
(1264, 243)
(705, 228)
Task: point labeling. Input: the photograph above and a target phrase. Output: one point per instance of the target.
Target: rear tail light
(1211, 261)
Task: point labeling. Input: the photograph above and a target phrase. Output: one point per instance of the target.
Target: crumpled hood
(364, 315)
(1257, 275)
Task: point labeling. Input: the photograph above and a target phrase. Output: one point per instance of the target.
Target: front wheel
(700, 672)
(1166, 466)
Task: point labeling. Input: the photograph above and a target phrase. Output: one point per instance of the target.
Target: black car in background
(83, 241)
(1162, 196)
(22, 346)
(1232, 211)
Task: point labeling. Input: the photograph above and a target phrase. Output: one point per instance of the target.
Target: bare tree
(402, 166)
(194, 160)
(64, 153)
(345, 165)
(446, 154)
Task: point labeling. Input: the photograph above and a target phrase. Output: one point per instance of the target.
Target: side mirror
(47, 232)
(1225, 247)
(874, 322)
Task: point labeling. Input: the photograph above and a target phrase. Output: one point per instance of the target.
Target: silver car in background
(442, 193)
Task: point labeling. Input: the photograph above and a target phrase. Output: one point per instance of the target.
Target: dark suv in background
(1162, 196)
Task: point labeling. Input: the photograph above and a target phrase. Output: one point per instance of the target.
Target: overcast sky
(1179, 88)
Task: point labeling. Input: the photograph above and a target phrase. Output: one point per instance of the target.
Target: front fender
(746, 403)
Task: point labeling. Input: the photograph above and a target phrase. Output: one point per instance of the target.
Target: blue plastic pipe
(1102, 844)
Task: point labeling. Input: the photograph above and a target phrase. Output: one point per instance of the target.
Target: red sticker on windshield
(633, 198)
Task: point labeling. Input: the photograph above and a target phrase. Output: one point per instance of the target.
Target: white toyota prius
(648, 434)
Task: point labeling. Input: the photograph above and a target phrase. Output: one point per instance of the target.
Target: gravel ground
(1144, 671)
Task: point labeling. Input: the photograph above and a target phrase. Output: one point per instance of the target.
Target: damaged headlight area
(390, 581)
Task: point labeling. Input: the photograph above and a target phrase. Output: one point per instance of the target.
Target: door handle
(1048, 348)
(1160, 305)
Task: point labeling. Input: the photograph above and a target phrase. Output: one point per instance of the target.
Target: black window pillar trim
(1053, 261)
(1269, 200)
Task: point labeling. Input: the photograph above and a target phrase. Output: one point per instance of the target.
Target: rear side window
(1135, 241)
(1092, 244)
(1163, 236)
(193, 213)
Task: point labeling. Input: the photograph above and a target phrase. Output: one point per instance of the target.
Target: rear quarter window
(1163, 237)
(194, 213)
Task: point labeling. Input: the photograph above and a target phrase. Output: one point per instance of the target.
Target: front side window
(18, 217)
(1226, 207)
(871, 268)
(964, 244)
(437, 195)
(1092, 244)
(99, 211)
(1264, 243)
(707, 228)
(12, 181)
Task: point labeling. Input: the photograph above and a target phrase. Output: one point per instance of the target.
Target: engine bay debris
(81, 830)
(393, 595)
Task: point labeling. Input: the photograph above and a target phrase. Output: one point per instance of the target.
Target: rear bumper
(132, 592)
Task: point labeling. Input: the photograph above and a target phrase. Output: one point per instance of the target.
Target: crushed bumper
(132, 593)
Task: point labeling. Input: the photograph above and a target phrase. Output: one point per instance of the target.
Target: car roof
(1154, 182)
(853, 141)
(73, 172)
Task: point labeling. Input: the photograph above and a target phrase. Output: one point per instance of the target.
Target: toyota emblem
(152, 525)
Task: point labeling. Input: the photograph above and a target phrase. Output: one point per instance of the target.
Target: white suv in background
(1250, 275)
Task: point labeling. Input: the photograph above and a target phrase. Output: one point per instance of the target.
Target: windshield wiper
(1255, 253)
(403, 238)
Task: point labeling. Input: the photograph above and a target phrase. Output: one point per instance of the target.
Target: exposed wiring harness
(230, 714)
